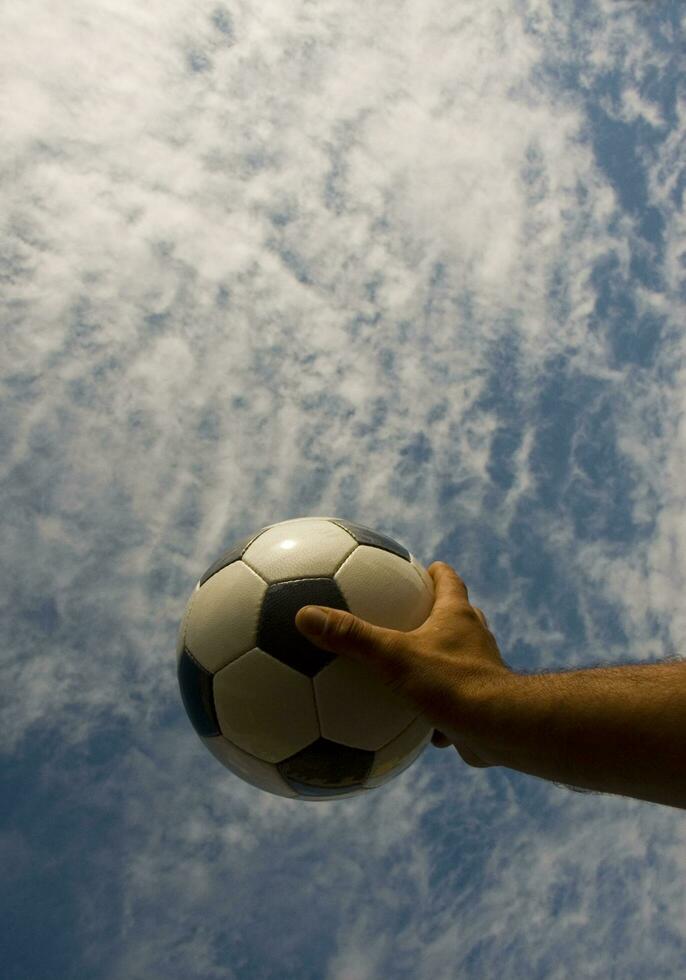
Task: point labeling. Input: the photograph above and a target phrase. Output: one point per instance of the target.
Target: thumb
(340, 632)
(382, 650)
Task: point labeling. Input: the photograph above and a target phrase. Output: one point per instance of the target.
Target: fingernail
(313, 620)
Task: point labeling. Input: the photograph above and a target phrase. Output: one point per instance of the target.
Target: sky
(420, 265)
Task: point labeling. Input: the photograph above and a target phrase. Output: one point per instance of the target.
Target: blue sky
(417, 265)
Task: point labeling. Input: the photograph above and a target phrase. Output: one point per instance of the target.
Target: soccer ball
(282, 714)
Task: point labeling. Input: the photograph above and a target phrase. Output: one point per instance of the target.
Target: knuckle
(470, 615)
(482, 616)
(347, 627)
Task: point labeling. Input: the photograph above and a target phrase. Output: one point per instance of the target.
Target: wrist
(490, 703)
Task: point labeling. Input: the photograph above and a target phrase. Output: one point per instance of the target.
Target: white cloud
(248, 256)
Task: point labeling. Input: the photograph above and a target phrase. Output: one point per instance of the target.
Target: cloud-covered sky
(420, 265)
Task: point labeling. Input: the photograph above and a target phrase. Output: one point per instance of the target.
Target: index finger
(449, 585)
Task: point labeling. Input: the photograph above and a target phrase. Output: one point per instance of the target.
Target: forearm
(615, 730)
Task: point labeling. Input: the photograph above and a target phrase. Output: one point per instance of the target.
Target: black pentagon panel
(232, 554)
(326, 768)
(277, 633)
(196, 692)
(365, 535)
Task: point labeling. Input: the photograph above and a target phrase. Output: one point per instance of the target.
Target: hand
(435, 667)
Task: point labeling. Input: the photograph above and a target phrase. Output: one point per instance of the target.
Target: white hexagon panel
(280, 713)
